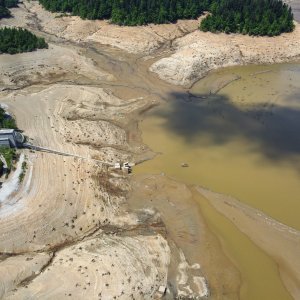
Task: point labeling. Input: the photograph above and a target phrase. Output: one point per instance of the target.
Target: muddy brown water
(242, 141)
(239, 137)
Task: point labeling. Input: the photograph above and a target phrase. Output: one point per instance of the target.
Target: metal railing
(39, 148)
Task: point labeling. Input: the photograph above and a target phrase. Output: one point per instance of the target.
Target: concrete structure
(11, 138)
(126, 167)
(4, 142)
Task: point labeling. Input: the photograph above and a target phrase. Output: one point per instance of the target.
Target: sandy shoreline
(276, 239)
(172, 198)
(186, 227)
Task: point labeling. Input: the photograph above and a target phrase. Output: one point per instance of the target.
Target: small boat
(184, 165)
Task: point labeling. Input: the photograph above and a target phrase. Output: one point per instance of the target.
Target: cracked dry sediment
(15, 269)
(103, 267)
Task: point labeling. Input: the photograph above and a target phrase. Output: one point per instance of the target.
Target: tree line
(254, 17)
(4, 7)
(17, 40)
(130, 12)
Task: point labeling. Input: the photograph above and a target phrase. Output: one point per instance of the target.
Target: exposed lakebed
(239, 133)
(236, 130)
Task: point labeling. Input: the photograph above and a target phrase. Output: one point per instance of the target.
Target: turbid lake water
(239, 134)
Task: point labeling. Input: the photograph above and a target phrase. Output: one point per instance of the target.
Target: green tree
(254, 17)
(17, 40)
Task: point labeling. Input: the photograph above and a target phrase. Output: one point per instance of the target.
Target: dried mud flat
(68, 221)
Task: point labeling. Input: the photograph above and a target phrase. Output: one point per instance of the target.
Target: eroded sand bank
(200, 52)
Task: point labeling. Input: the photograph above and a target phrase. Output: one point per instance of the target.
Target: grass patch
(10, 156)
(23, 173)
